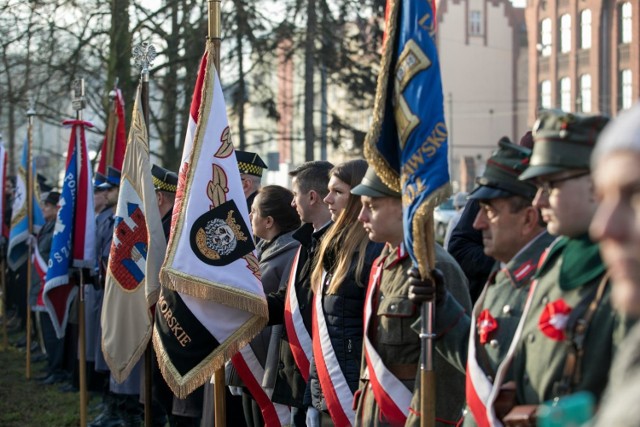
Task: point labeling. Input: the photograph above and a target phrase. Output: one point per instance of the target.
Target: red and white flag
(137, 252)
(211, 302)
(115, 138)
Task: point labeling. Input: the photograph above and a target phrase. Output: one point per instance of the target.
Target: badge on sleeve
(553, 319)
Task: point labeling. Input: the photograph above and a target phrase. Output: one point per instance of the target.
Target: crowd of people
(535, 297)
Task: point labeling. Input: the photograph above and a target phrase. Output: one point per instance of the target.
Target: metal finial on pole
(78, 102)
(143, 55)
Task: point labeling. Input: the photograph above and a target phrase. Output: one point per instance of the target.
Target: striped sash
(335, 388)
(299, 338)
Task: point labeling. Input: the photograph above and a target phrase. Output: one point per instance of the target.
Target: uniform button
(494, 343)
(545, 299)
(381, 297)
(532, 337)
(302, 306)
(506, 309)
(281, 365)
(392, 306)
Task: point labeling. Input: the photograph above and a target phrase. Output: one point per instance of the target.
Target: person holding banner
(292, 304)
(388, 392)
(339, 281)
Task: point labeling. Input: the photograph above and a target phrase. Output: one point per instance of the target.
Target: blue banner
(408, 141)
(18, 249)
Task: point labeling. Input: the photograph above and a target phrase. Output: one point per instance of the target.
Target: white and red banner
(137, 251)
(211, 302)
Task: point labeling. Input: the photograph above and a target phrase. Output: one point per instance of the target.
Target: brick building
(584, 55)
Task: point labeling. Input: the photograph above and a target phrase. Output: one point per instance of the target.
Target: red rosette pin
(486, 324)
(553, 319)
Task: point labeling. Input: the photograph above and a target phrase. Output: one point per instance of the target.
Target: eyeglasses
(547, 186)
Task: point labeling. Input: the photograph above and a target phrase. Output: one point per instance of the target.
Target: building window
(565, 94)
(545, 37)
(475, 23)
(585, 29)
(585, 93)
(565, 33)
(545, 94)
(625, 89)
(625, 23)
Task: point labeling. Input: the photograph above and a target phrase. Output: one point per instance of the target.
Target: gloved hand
(313, 417)
(421, 291)
(32, 241)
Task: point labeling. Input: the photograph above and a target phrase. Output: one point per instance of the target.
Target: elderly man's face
(616, 225)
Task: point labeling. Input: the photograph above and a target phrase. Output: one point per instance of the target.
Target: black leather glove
(421, 291)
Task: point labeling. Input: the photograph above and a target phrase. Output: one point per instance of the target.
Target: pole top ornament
(144, 54)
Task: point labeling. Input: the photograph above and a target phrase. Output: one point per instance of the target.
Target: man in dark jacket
(309, 185)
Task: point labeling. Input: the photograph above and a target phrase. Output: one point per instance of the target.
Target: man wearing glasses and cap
(514, 235)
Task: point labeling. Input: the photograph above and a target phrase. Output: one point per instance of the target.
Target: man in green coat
(569, 331)
(388, 392)
(514, 235)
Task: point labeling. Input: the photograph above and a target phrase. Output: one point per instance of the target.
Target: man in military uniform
(616, 225)
(514, 235)
(388, 393)
(251, 167)
(567, 335)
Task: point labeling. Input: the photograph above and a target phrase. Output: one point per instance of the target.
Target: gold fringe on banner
(371, 153)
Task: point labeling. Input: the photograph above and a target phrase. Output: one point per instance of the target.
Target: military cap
(52, 198)
(500, 177)
(250, 163)
(164, 179)
(563, 141)
(113, 179)
(622, 133)
(42, 183)
(98, 179)
(372, 186)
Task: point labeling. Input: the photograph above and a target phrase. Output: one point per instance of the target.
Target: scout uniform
(250, 164)
(479, 342)
(569, 330)
(389, 338)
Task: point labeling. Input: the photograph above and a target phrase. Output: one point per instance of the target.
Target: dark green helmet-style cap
(372, 186)
(500, 177)
(563, 141)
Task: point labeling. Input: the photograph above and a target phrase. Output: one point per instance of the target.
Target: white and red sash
(297, 333)
(335, 388)
(251, 372)
(41, 268)
(392, 396)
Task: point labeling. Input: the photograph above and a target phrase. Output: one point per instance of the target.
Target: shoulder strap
(578, 325)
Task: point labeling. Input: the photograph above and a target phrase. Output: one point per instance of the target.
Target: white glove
(235, 391)
(32, 241)
(313, 417)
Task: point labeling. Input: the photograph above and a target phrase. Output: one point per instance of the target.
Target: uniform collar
(524, 264)
(395, 255)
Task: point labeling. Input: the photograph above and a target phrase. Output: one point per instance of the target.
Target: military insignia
(486, 325)
(524, 270)
(220, 236)
(553, 319)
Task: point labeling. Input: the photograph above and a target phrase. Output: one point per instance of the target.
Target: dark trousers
(53, 344)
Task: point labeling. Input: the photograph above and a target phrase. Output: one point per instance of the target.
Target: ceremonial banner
(135, 258)
(75, 229)
(211, 302)
(407, 143)
(18, 250)
(115, 138)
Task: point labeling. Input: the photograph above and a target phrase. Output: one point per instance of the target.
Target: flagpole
(111, 127)
(214, 36)
(3, 256)
(144, 54)
(78, 105)
(29, 182)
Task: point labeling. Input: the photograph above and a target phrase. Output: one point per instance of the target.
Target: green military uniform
(499, 308)
(556, 353)
(399, 346)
